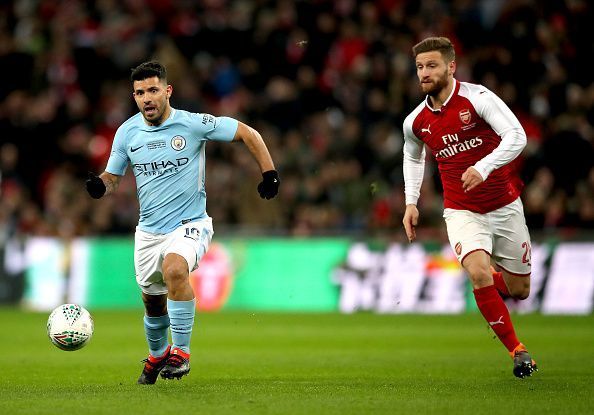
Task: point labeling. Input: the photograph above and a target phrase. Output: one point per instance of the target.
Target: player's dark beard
(440, 84)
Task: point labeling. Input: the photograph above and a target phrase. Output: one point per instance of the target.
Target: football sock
(155, 329)
(181, 314)
(500, 284)
(519, 348)
(495, 312)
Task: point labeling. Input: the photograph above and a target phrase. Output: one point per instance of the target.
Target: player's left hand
(268, 187)
(471, 179)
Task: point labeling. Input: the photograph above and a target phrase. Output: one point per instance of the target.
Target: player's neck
(440, 99)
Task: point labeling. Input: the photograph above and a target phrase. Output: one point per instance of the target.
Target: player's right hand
(268, 187)
(410, 221)
(95, 186)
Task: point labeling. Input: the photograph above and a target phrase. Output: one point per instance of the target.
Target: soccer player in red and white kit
(473, 136)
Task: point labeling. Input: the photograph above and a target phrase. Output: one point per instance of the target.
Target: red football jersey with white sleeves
(475, 128)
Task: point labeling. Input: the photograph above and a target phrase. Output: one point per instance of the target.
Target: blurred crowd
(327, 83)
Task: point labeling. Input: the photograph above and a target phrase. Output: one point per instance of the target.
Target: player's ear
(169, 91)
(452, 67)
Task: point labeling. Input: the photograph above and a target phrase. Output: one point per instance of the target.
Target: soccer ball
(70, 327)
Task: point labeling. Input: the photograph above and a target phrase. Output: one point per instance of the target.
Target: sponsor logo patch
(206, 118)
(458, 248)
(157, 168)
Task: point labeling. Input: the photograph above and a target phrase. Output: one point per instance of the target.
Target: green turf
(314, 364)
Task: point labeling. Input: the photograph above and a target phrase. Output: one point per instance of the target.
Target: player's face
(152, 98)
(433, 72)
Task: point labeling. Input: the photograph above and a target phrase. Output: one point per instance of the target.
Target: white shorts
(503, 234)
(190, 240)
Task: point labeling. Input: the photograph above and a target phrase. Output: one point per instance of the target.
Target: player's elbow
(522, 140)
(246, 133)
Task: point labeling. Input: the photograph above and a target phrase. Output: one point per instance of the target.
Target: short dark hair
(148, 70)
(440, 44)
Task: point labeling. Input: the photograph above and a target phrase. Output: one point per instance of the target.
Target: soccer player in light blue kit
(165, 148)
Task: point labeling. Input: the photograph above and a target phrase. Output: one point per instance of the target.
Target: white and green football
(70, 327)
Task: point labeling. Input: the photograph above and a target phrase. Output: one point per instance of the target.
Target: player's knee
(520, 291)
(519, 287)
(480, 277)
(175, 274)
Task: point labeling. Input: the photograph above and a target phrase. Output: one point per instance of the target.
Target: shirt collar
(427, 101)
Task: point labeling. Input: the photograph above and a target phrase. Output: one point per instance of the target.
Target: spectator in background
(324, 80)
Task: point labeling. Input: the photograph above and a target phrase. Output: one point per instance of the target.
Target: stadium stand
(327, 83)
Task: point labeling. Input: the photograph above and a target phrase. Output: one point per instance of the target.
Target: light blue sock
(155, 329)
(181, 314)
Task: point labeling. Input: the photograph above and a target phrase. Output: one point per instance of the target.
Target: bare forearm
(111, 182)
(260, 151)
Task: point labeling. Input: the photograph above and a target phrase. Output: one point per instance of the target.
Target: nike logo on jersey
(500, 321)
(426, 130)
(132, 149)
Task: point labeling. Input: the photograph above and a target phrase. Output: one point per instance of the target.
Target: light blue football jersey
(168, 162)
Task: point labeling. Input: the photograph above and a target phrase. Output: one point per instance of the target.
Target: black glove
(95, 186)
(268, 187)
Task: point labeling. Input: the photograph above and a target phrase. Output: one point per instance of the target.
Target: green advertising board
(309, 274)
(263, 274)
(288, 274)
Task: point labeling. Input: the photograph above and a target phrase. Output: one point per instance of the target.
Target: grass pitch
(261, 363)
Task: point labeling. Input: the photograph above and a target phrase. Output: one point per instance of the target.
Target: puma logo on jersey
(426, 130)
(500, 321)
